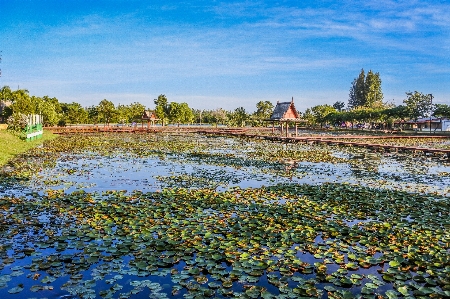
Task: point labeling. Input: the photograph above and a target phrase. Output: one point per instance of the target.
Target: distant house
(285, 113)
(437, 124)
(150, 117)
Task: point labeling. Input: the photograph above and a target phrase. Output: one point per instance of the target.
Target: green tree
(53, 101)
(366, 91)
(180, 113)
(93, 115)
(162, 108)
(74, 113)
(238, 117)
(396, 114)
(399, 112)
(22, 102)
(352, 100)
(373, 93)
(130, 113)
(321, 112)
(360, 90)
(339, 106)
(6, 94)
(263, 111)
(188, 116)
(106, 111)
(135, 111)
(309, 117)
(418, 104)
(49, 112)
(175, 113)
(122, 114)
(6, 97)
(441, 110)
(219, 116)
(200, 116)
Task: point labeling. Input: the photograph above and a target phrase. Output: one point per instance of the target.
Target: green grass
(11, 145)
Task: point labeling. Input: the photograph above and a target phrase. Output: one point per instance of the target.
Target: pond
(195, 216)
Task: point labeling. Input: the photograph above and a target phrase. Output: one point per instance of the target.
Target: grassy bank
(11, 145)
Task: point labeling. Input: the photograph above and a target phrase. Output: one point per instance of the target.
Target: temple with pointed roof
(285, 113)
(150, 117)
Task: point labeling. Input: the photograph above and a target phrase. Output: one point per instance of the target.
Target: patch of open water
(97, 173)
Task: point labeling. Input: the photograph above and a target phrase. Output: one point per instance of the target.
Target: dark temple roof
(284, 111)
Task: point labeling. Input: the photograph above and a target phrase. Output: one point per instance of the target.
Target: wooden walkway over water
(101, 129)
(343, 140)
(349, 140)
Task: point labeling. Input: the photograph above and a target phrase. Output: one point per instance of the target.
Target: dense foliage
(365, 106)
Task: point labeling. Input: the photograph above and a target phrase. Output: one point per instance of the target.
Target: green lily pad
(15, 290)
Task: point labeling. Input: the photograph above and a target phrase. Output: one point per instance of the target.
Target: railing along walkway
(337, 140)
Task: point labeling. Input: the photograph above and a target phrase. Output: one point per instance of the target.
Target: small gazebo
(150, 117)
(285, 113)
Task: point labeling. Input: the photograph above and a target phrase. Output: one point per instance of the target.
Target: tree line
(15, 104)
(365, 105)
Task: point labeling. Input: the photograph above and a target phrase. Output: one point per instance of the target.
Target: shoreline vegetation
(11, 145)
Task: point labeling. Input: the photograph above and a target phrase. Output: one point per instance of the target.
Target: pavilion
(285, 113)
(150, 117)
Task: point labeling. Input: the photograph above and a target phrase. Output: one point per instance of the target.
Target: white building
(423, 124)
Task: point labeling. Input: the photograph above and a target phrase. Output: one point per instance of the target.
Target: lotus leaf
(15, 290)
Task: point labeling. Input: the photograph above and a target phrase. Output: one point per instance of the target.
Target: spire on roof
(285, 111)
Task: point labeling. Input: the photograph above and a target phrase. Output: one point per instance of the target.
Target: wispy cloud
(201, 50)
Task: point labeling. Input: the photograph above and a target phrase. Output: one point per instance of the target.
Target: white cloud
(246, 46)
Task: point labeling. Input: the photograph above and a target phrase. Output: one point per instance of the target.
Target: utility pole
(431, 107)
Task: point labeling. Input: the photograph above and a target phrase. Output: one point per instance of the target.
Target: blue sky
(224, 54)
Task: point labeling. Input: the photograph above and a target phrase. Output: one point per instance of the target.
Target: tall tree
(264, 109)
(373, 93)
(122, 114)
(309, 117)
(175, 113)
(162, 108)
(106, 111)
(366, 91)
(360, 89)
(352, 100)
(418, 104)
